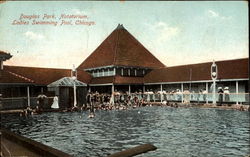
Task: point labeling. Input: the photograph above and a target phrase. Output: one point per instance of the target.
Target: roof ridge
(206, 62)
(147, 49)
(20, 76)
(121, 48)
(35, 67)
(90, 55)
(116, 43)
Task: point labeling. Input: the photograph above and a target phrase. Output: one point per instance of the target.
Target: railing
(22, 102)
(240, 98)
(232, 98)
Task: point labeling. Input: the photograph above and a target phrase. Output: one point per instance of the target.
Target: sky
(177, 33)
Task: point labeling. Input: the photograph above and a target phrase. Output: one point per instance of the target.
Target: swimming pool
(174, 131)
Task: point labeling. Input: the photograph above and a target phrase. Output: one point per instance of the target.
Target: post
(114, 71)
(207, 92)
(112, 94)
(214, 73)
(129, 89)
(214, 93)
(28, 95)
(161, 92)
(143, 88)
(73, 75)
(237, 92)
(74, 94)
(181, 92)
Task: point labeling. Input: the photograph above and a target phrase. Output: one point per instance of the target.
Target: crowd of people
(144, 98)
(124, 100)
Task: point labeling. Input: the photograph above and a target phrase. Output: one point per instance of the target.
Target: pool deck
(13, 145)
(226, 107)
(171, 104)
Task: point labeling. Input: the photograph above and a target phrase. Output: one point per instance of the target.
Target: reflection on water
(174, 131)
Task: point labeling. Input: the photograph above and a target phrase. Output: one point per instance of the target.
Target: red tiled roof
(45, 76)
(83, 76)
(121, 48)
(233, 69)
(7, 77)
(229, 69)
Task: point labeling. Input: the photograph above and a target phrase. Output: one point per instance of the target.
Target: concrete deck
(13, 145)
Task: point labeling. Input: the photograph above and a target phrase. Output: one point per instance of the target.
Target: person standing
(220, 96)
(186, 95)
(41, 100)
(226, 92)
(148, 96)
(204, 95)
(198, 95)
(55, 103)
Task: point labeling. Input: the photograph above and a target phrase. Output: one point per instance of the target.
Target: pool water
(176, 132)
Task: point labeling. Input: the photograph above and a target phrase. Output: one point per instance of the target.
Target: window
(125, 72)
(106, 72)
(103, 72)
(94, 73)
(97, 73)
(139, 72)
(111, 72)
(118, 71)
(132, 72)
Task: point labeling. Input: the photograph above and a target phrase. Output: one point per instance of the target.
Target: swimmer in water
(91, 115)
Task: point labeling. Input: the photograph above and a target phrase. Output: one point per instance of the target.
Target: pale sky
(176, 33)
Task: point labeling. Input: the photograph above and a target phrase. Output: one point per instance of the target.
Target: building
(17, 83)
(122, 63)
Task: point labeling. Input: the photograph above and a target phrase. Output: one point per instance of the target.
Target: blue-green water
(176, 132)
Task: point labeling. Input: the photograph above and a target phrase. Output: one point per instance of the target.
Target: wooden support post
(181, 92)
(112, 94)
(237, 92)
(161, 93)
(28, 95)
(207, 92)
(129, 89)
